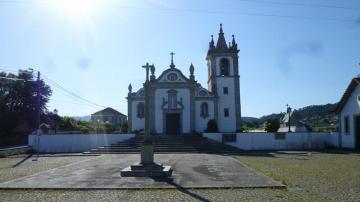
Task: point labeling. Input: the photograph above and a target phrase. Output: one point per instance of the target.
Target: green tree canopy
(271, 125)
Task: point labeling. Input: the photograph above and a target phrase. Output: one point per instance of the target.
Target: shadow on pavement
(22, 161)
(180, 188)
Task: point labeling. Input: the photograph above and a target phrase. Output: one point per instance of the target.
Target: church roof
(221, 45)
(352, 86)
(166, 76)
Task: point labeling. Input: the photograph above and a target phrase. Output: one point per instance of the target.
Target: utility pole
(37, 115)
(38, 101)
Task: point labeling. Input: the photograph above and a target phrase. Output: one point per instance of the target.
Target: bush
(212, 126)
(84, 130)
(124, 128)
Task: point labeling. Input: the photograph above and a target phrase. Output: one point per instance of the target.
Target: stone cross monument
(147, 167)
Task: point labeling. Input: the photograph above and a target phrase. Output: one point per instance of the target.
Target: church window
(204, 110)
(172, 77)
(172, 99)
(226, 90)
(226, 112)
(224, 67)
(140, 110)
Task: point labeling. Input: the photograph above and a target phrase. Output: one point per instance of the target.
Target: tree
(272, 125)
(18, 105)
(68, 124)
(125, 127)
(109, 128)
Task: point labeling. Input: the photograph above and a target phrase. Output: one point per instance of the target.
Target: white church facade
(180, 105)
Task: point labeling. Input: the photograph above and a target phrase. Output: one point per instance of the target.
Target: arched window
(140, 110)
(224, 67)
(204, 110)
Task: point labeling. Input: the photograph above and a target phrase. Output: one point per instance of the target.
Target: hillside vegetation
(321, 118)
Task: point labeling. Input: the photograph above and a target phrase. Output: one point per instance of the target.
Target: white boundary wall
(267, 141)
(67, 143)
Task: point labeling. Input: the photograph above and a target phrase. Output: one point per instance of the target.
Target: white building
(349, 116)
(180, 105)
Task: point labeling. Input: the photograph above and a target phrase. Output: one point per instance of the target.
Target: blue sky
(301, 54)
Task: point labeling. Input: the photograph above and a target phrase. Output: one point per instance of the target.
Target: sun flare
(77, 7)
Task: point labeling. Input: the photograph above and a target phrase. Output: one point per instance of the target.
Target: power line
(63, 91)
(300, 4)
(239, 13)
(230, 12)
(248, 1)
(69, 92)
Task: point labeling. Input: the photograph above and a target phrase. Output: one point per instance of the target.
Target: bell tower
(224, 82)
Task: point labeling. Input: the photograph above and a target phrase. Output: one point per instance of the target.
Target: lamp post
(56, 120)
(288, 110)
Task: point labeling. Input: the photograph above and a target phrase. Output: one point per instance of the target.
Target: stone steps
(168, 144)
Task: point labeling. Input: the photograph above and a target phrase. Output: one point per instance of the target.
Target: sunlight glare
(77, 7)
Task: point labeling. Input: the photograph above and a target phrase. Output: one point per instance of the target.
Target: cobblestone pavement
(318, 176)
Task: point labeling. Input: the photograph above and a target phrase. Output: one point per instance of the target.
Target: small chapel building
(180, 105)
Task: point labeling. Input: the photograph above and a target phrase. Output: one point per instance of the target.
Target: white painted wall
(67, 143)
(201, 123)
(183, 93)
(226, 124)
(267, 141)
(136, 123)
(351, 109)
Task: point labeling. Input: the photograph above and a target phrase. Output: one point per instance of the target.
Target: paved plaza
(190, 171)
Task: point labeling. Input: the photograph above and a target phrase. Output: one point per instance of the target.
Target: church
(178, 104)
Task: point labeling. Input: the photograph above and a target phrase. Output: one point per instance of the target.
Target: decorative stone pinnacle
(191, 69)
(130, 88)
(211, 43)
(221, 42)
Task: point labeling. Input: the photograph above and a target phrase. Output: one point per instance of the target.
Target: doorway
(173, 126)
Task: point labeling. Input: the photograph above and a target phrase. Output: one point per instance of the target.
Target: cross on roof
(147, 67)
(172, 60)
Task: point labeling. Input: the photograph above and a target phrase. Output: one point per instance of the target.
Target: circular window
(172, 76)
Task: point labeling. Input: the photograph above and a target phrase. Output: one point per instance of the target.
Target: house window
(140, 110)
(224, 67)
(226, 90)
(226, 112)
(346, 124)
(204, 110)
